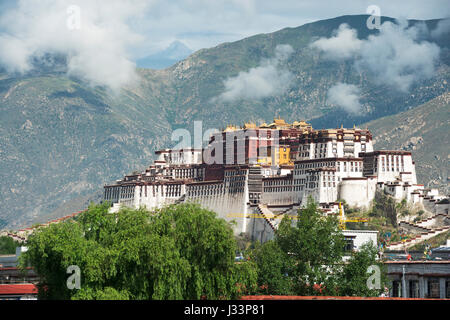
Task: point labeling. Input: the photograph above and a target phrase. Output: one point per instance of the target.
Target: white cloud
(268, 79)
(395, 56)
(343, 45)
(97, 51)
(15, 54)
(345, 96)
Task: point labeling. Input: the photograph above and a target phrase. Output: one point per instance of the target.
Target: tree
(316, 246)
(354, 277)
(244, 242)
(306, 258)
(177, 252)
(8, 245)
(274, 269)
(385, 206)
(107, 293)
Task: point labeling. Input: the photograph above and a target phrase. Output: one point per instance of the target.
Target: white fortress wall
(278, 197)
(355, 192)
(228, 205)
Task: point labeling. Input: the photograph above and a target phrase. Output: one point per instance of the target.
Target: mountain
(175, 52)
(423, 131)
(61, 140)
(201, 76)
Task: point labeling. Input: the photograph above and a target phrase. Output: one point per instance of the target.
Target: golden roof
(230, 128)
(301, 123)
(279, 122)
(249, 125)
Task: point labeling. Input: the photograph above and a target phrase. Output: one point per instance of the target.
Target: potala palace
(255, 175)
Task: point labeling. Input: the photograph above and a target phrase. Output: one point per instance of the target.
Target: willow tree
(177, 252)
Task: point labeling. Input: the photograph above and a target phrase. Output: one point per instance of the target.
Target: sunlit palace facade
(254, 175)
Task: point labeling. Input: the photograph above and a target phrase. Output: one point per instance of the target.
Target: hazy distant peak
(175, 52)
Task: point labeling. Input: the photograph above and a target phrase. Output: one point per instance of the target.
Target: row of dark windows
(277, 182)
(433, 288)
(277, 189)
(235, 173)
(205, 190)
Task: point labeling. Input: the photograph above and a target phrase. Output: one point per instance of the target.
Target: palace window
(433, 289)
(349, 245)
(414, 289)
(396, 289)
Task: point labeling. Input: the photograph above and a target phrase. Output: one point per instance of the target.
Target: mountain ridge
(61, 139)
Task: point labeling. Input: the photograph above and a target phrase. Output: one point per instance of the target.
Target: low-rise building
(16, 284)
(419, 279)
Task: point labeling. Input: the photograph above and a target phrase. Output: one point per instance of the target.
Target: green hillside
(62, 140)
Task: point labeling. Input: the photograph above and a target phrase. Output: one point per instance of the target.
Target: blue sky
(206, 23)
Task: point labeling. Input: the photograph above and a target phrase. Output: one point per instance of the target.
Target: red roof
(25, 288)
(13, 268)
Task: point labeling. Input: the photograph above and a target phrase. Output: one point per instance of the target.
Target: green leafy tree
(107, 293)
(178, 252)
(306, 258)
(315, 246)
(354, 276)
(386, 207)
(8, 245)
(274, 268)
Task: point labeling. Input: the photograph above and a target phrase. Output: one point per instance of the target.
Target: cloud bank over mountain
(396, 56)
(443, 27)
(118, 32)
(93, 37)
(270, 78)
(344, 44)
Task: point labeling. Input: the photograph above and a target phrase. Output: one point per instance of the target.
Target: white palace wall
(357, 192)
